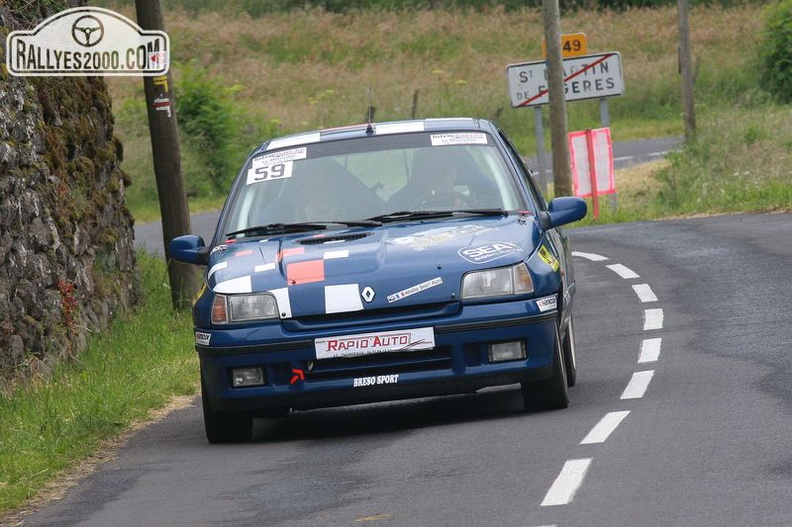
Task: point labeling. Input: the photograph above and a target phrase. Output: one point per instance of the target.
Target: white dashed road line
(590, 256)
(637, 386)
(567, 483)
(645, 293)
(650, 350)
(653, 319)
(574, 471)
(624, 272)
(604, 428)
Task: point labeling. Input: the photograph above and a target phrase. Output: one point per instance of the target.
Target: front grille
(381, 364)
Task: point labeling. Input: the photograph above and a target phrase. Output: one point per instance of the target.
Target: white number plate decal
(257, 174)
(277, 165)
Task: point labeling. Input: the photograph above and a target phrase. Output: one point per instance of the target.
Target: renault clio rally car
(378, 262)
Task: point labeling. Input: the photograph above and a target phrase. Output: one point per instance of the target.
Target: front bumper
(458, 363)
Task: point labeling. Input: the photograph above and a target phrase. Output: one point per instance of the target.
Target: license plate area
(361, 344)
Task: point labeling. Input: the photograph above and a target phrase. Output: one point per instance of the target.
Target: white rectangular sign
(585, 77)
(371, 343)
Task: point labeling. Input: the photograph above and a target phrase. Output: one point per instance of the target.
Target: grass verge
(293, 71)
(139, 364)
(740, 161)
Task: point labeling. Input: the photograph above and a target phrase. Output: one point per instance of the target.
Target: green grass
(143, 360)
(308, 68)
(740, 161)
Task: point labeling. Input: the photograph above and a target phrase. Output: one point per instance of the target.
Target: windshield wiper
(280, 228)
(412, 215)
(287, 228)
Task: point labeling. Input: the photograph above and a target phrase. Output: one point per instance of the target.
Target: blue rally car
(379, 262)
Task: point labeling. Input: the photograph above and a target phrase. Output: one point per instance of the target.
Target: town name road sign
(585, 77)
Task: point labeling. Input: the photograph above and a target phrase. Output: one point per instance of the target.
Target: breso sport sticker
(277, 165)
(375, 380)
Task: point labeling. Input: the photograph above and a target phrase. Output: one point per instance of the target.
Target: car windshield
(351, 180)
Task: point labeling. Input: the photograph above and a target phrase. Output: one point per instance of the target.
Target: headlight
(515, 280)
(243, 308)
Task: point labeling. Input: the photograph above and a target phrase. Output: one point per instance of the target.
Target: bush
(776, 50)
(210, 125)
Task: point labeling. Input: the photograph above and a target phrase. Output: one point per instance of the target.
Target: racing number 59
(269, 172)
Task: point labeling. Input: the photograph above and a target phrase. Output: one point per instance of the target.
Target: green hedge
(776, 50)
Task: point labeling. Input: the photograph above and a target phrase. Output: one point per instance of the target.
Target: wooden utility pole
(167, 163)
(562, 172)
(686, 69)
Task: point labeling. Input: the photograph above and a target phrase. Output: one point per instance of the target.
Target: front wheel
(549, 394)
(225, 427)
(570, 360)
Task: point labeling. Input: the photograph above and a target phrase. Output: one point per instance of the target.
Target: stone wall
(66, 239)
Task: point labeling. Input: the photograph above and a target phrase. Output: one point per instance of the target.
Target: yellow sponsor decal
(200, 292)
(548, 258)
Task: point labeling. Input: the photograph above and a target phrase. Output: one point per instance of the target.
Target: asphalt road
(681, 416)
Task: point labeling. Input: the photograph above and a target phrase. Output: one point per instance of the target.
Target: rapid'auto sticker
(459, 138)
(479, 254)
(371, 343)
(202, 338)
(425, 239)
(548, 258)
(375, 380)
(276, 165)
(414, 289)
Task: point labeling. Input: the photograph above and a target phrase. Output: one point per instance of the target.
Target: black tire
(225, 427)
(548, 394)
(570, 360)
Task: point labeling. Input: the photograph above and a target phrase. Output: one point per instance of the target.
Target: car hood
(393, 266)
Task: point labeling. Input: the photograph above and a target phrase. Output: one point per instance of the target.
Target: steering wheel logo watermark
(88, 31)
(88, 41)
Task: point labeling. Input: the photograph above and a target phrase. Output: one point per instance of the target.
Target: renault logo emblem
(368, 294)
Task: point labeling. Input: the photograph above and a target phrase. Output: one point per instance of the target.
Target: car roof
(374, 129)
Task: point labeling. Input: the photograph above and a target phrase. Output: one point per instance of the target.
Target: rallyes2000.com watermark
(87, 41)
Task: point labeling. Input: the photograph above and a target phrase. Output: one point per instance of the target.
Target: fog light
(507, 351)
(247, 377)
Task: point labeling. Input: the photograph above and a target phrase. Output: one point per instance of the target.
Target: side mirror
(565, 210)
(189, 248)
